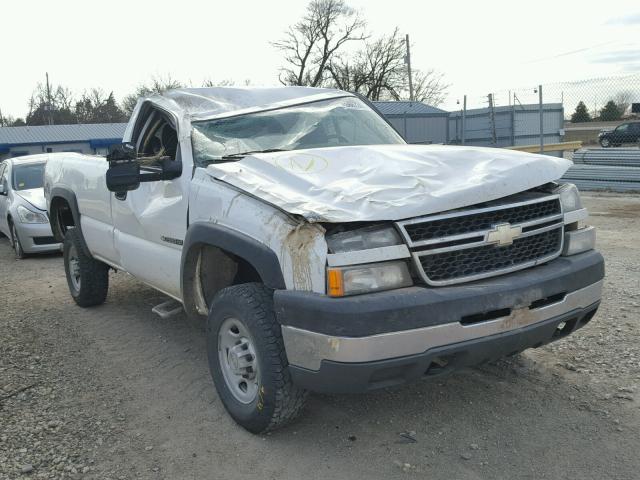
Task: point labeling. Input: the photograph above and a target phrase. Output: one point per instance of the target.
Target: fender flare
(259, 255)
(70, 197)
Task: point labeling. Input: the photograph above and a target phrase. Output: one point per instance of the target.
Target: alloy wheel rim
(74, 268)
(238, 360)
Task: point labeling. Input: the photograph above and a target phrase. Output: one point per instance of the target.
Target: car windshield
(327, 123)
(28, 176)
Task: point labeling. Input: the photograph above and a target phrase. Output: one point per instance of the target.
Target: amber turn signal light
(335, 283)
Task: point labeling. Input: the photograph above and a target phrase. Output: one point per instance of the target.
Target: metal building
(92, 139)
(508, 125)
(416, 121)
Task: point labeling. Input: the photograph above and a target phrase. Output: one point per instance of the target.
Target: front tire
(247, 359)
(88, 278)
(15, 241)
(605, 143)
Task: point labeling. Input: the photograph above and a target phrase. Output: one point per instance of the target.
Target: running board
(168, 309)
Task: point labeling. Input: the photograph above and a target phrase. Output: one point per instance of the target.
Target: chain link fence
(566, 111)
(599, 117)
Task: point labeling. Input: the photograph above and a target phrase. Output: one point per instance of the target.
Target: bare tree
(50, 104)
(227, 82)
(10, 121)
(98, 107)
(311, 43)
(623, 100)
(157, 84)
(379, 72)
(428, 87)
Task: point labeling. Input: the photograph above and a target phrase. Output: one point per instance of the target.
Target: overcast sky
(480, 46)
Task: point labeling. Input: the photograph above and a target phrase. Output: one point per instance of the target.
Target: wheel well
(61, 217)
(207, 270)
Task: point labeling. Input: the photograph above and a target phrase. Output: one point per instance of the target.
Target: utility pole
(464, 119)
(49, 106)
(407, 60)
(541, 119)
(492, 121)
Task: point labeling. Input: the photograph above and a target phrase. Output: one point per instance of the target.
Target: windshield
(28, 176)
(328, 123)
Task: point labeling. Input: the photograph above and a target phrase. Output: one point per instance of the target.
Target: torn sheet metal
(386, 182)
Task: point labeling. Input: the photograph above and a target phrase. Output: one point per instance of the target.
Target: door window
(158, 141)
(4, 177)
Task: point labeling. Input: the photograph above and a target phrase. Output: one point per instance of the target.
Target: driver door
(150, 222)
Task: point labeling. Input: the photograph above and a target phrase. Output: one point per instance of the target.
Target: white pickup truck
(320, 250)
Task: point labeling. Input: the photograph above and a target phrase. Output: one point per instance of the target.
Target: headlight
(569, 197)
(363, 239)
(352, 280)
(577, 238)
(28, 216)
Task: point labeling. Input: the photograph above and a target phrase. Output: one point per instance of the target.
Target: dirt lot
(115, 392)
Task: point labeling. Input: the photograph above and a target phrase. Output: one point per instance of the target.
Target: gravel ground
(115, 392)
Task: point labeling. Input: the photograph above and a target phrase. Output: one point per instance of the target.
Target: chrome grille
(478, 260)
(481, 221)
(465, 245)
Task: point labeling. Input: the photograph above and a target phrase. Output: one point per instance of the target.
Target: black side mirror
(123, 173)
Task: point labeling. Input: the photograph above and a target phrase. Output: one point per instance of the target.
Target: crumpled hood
(386, 182)
(35, 196)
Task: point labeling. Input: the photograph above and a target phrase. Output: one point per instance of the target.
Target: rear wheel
(15, 242)
(247, 359)
(88, 278)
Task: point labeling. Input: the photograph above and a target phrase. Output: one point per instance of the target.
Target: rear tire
(247, 359)
(88, 278)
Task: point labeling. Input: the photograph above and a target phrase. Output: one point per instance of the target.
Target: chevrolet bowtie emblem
(503, 234)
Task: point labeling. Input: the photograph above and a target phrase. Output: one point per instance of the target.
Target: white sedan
(23, 209)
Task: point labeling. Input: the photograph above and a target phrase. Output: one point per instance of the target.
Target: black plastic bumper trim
(336, 377)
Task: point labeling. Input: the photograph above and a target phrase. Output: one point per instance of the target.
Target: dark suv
(624, 133)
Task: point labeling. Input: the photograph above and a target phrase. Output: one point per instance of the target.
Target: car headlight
(29, 216)
(373, 277)
(363, 239)
(578, 238)
(569, 197)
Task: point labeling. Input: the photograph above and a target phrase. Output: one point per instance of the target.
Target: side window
(622, 128)
(4, 175)
(158, 140)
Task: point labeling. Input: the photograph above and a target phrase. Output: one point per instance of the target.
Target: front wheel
(247, 359)
(605, 143)
(88, 278)
(15, 240)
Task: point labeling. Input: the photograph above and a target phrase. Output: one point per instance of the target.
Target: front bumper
(379, 340)
(37, 238)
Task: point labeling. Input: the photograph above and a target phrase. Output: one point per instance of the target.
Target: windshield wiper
(237, 156)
